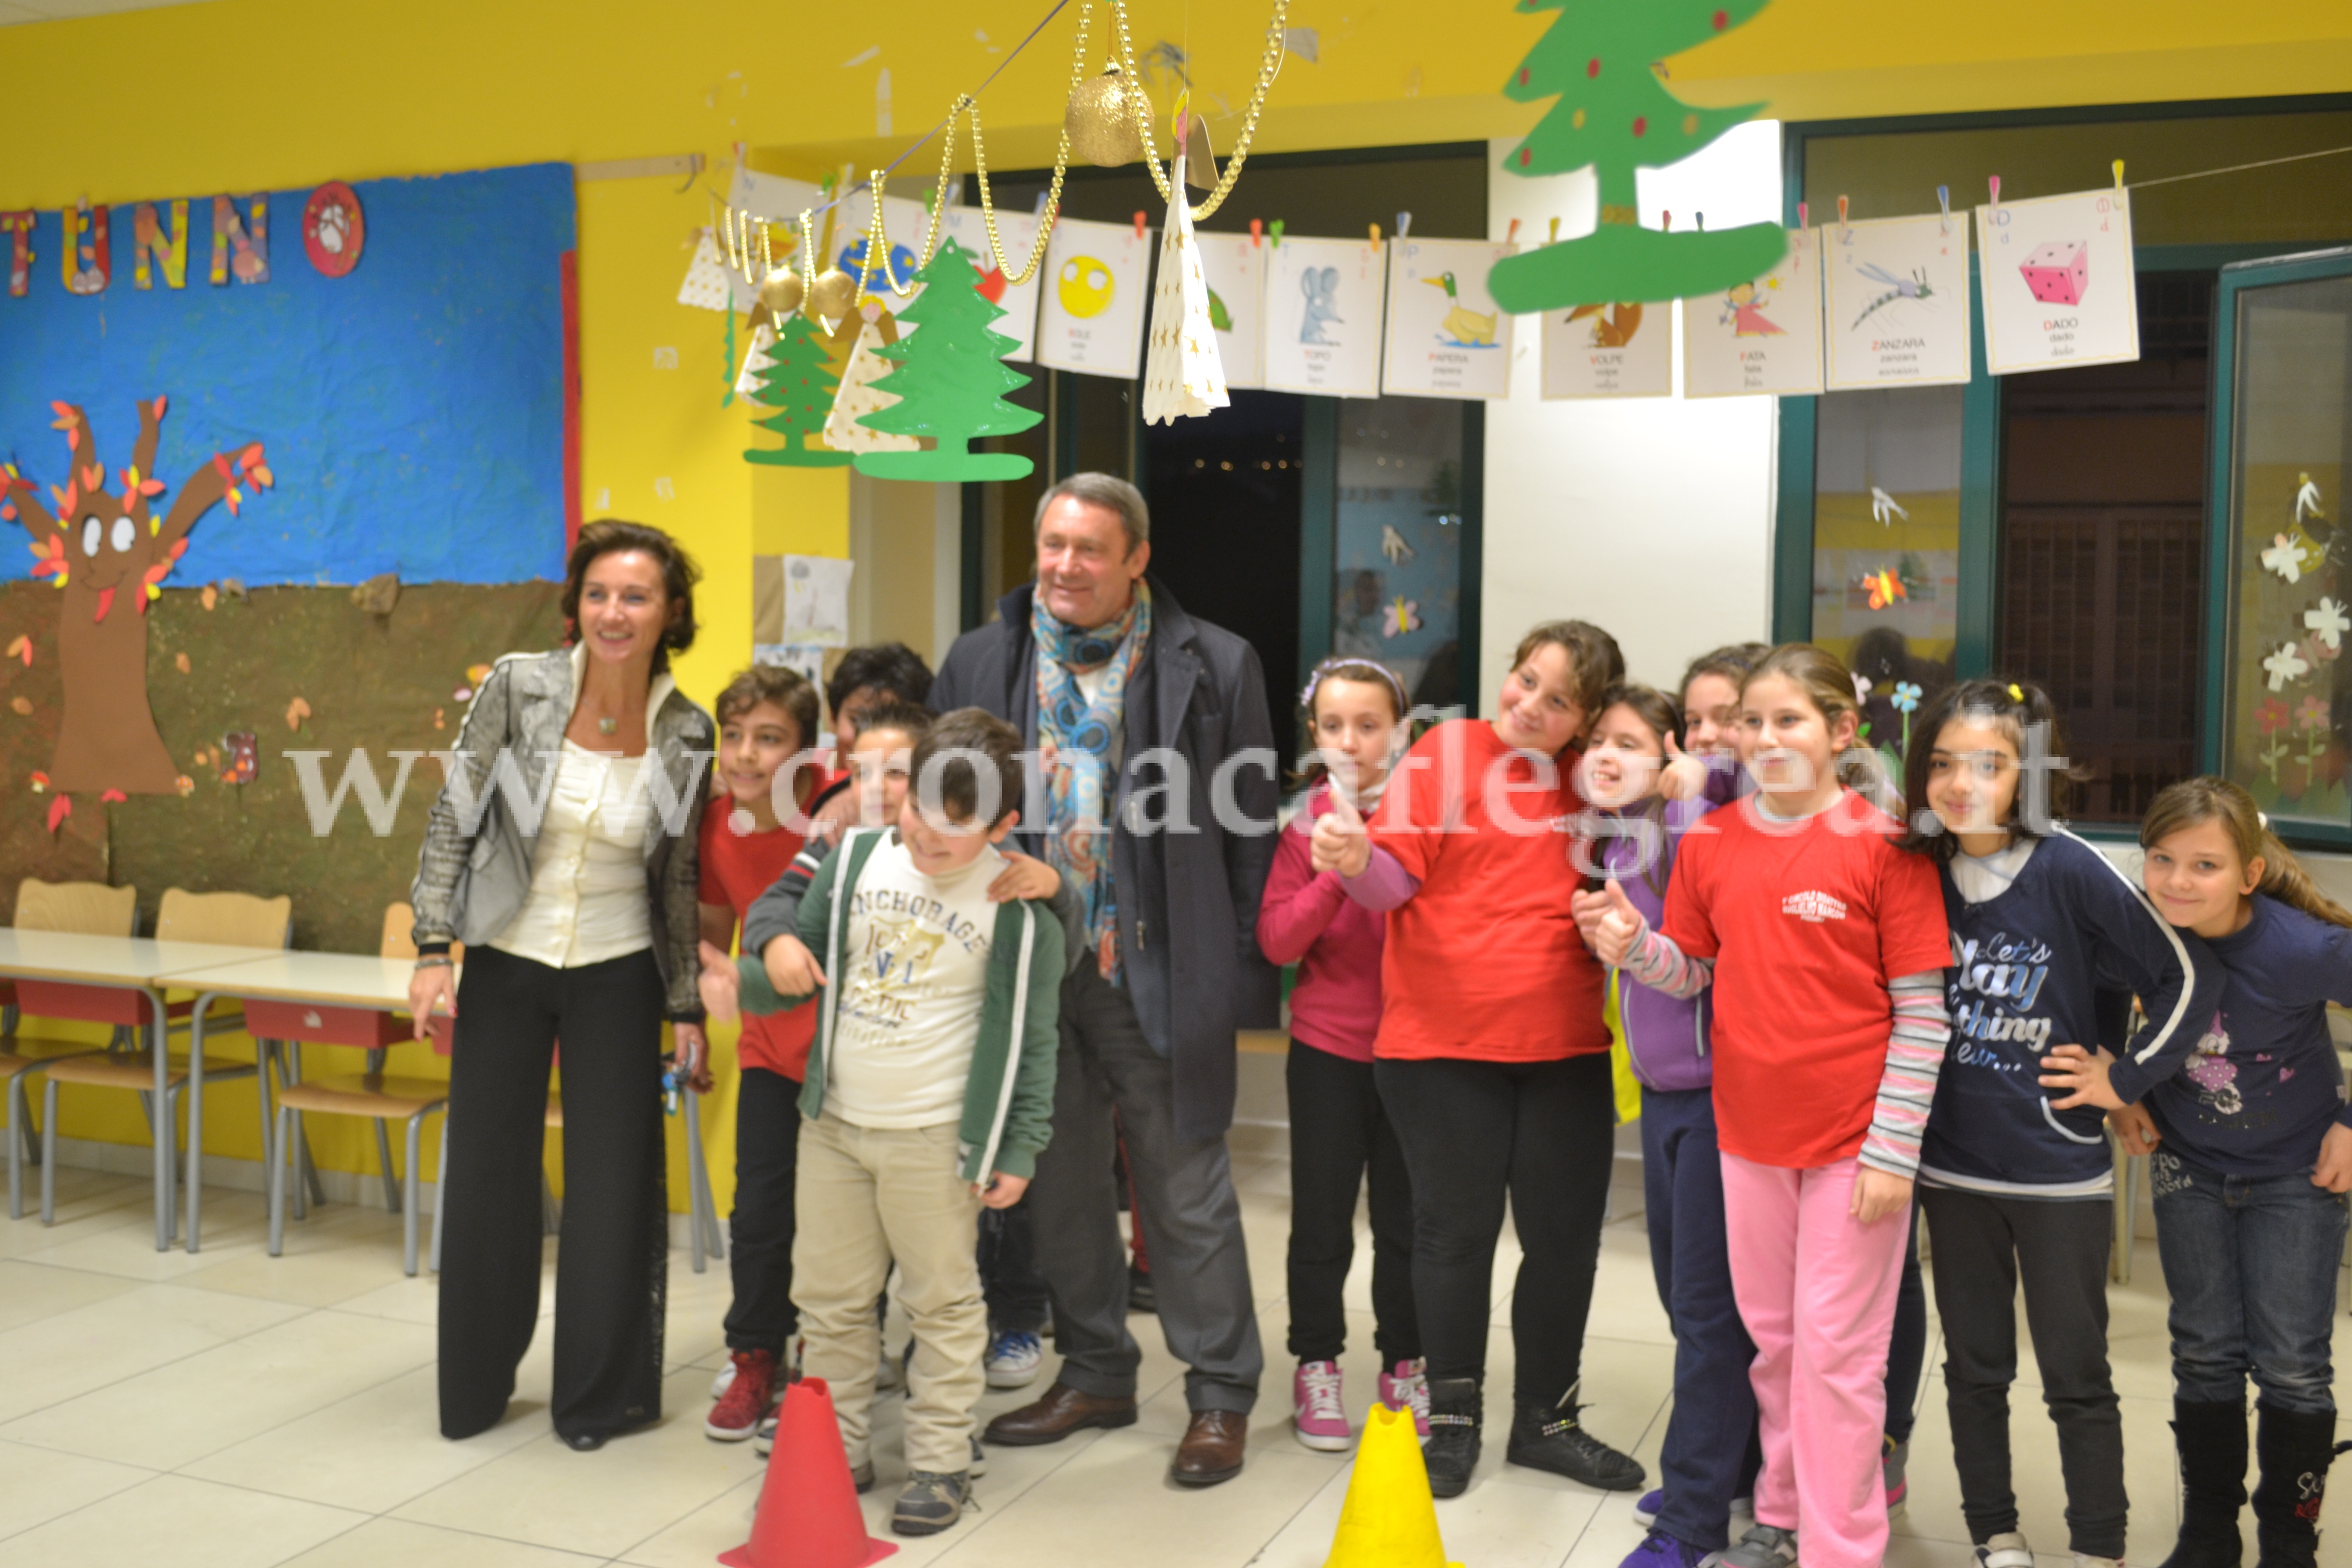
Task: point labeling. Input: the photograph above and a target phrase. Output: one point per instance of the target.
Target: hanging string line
(2239, 168)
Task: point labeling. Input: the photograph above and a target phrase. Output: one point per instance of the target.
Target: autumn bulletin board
(294, 509)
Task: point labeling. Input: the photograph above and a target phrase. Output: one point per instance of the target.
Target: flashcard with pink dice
(2057, 281)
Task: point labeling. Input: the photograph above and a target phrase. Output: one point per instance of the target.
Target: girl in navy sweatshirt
(2012, 1187)
(2254, 1155)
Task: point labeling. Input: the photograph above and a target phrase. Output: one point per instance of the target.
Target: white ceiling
(12, 12)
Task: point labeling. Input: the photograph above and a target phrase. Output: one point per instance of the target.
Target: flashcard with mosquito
(2058, 283)
(1018, 300)
(1895, 301)
(1761, 336)
(1620, 350)
(1446, 337)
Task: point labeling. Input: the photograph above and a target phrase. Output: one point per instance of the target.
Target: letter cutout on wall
(250, 244)
(86, 258)
(19, 227)
(149, 241)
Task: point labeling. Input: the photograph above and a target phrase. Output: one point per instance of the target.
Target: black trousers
(1339, 1133)
(1907, 1352)
(767, 1154)
(1019, 1301)
(1984, 1243)
(1473, 1131)
(612, 1257)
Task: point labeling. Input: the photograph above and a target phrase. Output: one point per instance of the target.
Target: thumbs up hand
(1684, 776)
(1340, 842)
(1621, 926)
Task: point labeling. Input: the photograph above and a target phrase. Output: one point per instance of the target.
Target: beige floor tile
(222, 1396)
(236, 1225)
(102, 1203)
(603, 1503)
(323, 1458)
(32, 1291)
(337, 1253)
(123, 1336)
(416, 1301)
(182, 1522)
(38, 1485)
(396, 1544)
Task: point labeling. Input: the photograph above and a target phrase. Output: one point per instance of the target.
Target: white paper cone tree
(858, 397)
(1181, 373)
(705, 278)
(763, 338)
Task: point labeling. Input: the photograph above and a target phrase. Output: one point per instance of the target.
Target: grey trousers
(1192, 1218)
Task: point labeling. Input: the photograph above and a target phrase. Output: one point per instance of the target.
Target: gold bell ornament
(781, 291)
(832, 294)
(1109, 120)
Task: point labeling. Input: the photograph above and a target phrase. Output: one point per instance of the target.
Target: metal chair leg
(277, 1188)
(383, 1164)
(440, 1198)
(20, 1113)
(49, 1152)
(415, 1195)
(698, 1186)
(172, 1164)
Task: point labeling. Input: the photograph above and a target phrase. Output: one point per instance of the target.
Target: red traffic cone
(808, 1515)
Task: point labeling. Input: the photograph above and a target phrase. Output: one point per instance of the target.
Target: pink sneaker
(1316, 1412)
(1408, 1386)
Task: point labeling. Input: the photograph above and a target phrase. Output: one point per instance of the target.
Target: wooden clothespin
(1258, 233)
(1944, 202)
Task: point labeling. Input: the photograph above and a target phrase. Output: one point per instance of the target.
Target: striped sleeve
(1915, 1056)
(1655, 962)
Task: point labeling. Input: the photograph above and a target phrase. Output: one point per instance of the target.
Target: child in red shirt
(767, 717)
(1356, 722)
(1492, 1058)
(1826, 947)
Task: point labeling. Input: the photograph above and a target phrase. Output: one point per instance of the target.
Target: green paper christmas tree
(1615, 115)
(950, 378)
(799, 387)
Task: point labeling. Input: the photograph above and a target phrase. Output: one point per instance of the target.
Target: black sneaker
(931, 1503)
(1456, 1410)
(1554, 1440)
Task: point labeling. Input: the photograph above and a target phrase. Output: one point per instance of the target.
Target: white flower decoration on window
(2284, 666)
(2329, 621)
(2284, 557)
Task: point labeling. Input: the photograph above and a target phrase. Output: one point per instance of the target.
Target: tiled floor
(231, 1410)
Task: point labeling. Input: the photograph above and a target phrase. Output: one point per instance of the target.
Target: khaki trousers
(867, 1197)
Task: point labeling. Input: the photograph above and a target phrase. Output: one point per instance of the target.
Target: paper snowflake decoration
(2284, 557)
(1404, 616)
(2329, 622)
(2284, 666)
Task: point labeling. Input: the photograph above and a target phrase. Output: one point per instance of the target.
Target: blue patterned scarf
(1076, 737)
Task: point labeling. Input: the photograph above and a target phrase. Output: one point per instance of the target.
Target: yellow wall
(252, 94)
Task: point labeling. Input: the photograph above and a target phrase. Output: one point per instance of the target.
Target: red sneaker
(737, 1414)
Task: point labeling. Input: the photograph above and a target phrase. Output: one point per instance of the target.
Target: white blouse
(588, 899)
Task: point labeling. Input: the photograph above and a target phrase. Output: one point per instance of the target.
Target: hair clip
(1315, 678)
(2016, 693)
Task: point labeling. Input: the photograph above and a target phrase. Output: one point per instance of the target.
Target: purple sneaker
(1407, 1387)
(1646, 1510)
(1316, 1412)
(1659, 1550)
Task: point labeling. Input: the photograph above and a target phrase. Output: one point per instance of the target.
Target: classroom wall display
(1760, 336)
(1323, 316)
(1445, 337)
(1233, 265)
(2058, 282)
(1091, 308)
(1896, 301)
(1624, 349)
(1018, 300)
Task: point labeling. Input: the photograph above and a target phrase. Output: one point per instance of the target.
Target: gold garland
(1268, 68)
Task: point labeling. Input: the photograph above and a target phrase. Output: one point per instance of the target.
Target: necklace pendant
(607, 726)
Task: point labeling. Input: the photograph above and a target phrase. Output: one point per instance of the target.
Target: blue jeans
(2250, 1262)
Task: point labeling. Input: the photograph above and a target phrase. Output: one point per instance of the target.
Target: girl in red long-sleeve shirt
(1355, 715)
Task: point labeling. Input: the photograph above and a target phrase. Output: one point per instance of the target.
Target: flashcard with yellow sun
(1097, 287)
(1763, 336)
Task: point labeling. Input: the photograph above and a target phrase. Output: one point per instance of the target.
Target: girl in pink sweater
(1355, 713)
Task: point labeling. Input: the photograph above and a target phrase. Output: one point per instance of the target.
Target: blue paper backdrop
(413, 410)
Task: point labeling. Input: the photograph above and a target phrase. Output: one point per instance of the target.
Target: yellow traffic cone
(1390, 1520)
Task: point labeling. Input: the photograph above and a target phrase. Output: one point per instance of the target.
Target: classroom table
(328, 981)
(127, 963)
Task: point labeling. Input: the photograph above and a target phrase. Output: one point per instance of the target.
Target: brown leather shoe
(1211, 1449)
(1062, 1411)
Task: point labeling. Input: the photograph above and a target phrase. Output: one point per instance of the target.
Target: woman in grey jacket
(562, 852)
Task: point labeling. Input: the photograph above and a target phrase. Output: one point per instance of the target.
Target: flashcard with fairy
(2058, 282)
(1446, 337)
(1323, 316)
(1761, 336)
(1018, 300)
(1624, 349)
(1896, 301)
(1234, 267)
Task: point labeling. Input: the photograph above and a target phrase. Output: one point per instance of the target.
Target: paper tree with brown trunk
(106, 549)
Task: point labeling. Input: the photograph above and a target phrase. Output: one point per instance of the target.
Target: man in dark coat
(1174, 709)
